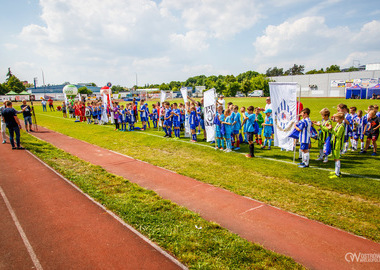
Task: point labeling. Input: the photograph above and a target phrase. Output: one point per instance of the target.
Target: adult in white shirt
(269, 104)
(221, 102)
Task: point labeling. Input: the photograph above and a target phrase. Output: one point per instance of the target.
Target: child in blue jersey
(147, 113)
(94, 113)
(168, 120)
(236, 127)
(193, 121)
(352, 132)
(228, 123)
(304, 128)
(268, 127)
(219, 119)
(123, 117)
(231, 107)
(132, 118)
(176, 116)
(249, 122)
(154, 115)
(244, 113)
(143, 115)
(359, 135)
(199, 112)
(182, 118)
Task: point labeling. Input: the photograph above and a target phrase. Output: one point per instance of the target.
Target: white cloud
(197, 70)
(221, 19)
(311, 42)
(192, 40)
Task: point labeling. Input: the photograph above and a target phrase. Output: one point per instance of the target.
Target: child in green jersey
(337, 140)
(322, 135)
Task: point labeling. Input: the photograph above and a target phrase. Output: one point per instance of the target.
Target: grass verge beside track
(349, 203)
(194, 241)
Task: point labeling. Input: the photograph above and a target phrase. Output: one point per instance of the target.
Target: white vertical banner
(104, 116)
(163, 96)
(209, 113)
(284, 105)
(184, 93)
(65, 97)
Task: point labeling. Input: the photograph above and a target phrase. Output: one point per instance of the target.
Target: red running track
(313, 244)
(63, 228)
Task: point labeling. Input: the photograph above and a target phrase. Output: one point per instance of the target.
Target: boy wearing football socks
(228, 123)
(193, 121)
(218, 128)
(168, 120)
(268, 124)
(250, 121)
(176, 120)
(323, 134)
(260, 121)
(373, 132)
(143, 114)
(236, 127)
(354, 117)
(337, 140)
(304, 128)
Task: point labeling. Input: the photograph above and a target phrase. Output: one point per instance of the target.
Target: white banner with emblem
(284, 104)
(209, 113)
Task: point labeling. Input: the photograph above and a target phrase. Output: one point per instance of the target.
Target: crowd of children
(247, 125)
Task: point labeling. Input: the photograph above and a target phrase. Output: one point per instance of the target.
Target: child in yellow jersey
(337, 140)
(322, 135)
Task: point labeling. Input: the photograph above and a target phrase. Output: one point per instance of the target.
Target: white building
(332, 84)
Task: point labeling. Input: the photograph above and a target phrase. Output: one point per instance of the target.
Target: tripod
(33, 113)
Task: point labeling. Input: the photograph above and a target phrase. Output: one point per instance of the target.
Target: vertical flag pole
(295, 142)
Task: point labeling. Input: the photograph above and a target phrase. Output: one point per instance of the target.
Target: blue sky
(160, 41)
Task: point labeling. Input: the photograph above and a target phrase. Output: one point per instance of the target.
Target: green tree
(261, 83)
(295, 70)
(314, 71)
(14, 84)
(220, 86)
(271, 72)
(333, 69)
(232, 89)
(246, 76)
(3, 89)
(84, 90)
(352, 69)
(117, 88)
(246, 87)
(164, 86)
(93, 84)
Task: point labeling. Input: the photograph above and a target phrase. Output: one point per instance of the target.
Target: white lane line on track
(143, 237)
(27, 244)
(267, 158)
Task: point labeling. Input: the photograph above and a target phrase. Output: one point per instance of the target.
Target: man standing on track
(10, 118)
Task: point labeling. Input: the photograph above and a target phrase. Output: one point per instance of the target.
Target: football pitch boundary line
(211, 147)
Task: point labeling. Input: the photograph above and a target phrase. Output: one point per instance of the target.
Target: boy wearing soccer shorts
(250, 121)
(323, 134)
(304, 128)
(176, 120)
(373, 132)
(337, 140)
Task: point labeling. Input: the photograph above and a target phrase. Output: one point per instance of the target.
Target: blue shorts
(227, 135)
(143, 119)
(267, 134)
(28, 119)
(193, 127)
(176, 124)
(168, 123)
(218, 134)
(304, 146)
(260, 131)
(236, 131)
(346, 137)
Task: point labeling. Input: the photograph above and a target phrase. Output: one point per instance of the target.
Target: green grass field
(350, 203)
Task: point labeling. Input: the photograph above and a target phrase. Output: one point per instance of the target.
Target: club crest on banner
(209, 115)
(284, 117)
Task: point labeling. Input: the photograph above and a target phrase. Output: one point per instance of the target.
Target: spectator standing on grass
(27, 113)
(3, 125)
(373, 132)
(12, 122)
(221, 102)
(43, 103)
(51, 106)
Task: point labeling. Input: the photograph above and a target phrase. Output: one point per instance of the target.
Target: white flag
(163, 96)
(209, 113)
(184, 93)
(284, 104)
(104, 116)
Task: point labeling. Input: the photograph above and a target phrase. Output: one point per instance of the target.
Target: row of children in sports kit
(351, 125)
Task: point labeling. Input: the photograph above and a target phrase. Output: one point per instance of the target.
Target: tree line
(299, 70)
